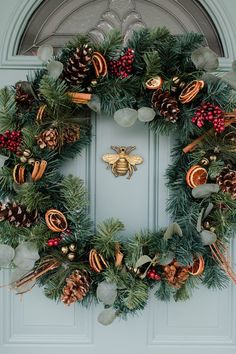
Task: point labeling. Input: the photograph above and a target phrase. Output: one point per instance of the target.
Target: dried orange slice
(154, 83)
(99, 64)
(196, 176)
(190, 91)
(197, 267)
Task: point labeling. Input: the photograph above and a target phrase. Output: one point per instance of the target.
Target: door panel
(35, 324)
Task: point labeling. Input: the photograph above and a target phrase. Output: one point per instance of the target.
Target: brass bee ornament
(122, 162)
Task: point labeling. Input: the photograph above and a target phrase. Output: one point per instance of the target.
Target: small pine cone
(77, 70)
(21, 94)
(166, 104)
(175, 274)
(48, 139)
(71, 134)
(17, 215)
(227, 181)
(76, 288)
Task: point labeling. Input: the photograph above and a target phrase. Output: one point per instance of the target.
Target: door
(34, 324)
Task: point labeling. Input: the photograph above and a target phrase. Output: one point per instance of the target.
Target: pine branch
(7, 110)
(54, 92)
(111, 46)
(105, 240)
(30, 196)
(153, 64)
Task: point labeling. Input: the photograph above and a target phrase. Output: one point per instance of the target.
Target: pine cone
(175, 274)
(76, 288)
(17, 214)
(78, 68)
(48, 139)
(227, 181)
(166, 104)
(23, 94)
(71, 134)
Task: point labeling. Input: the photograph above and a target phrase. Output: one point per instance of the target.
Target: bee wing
(134, 159)
(110, 158)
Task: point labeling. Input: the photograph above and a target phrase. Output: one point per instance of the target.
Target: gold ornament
(72, 247)
(71, 256)
(213, 157)
(121, 163)
(204, 161)
(69, 251)
(64, 249)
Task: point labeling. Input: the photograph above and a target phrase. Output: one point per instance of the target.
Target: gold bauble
(213, 157)
(212, 229)
(27, 153)
(23, 159)
(71, 256)
(207, 225)
(72, 247)
(31, 160)
(204, 161)
(64, 249)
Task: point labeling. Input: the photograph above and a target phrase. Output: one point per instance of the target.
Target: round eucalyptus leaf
(208, 237)
(166, 258)
(107, 316)
(7, 254)
(55, 69)
(107, 292)
(204, 58)
(45, 52)
(126, 117)
(26, 254)
(95, 104)
(146, 114)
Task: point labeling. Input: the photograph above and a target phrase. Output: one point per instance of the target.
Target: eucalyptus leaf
(205, 190)
(199, 220)
(142, 260)
(208, 210)
(208, 237)
(166, 258)
(204, 58)
(55, 69)
(107, 292)
(107, 316)
(7, 254)
(26, 254)
(173, 229)
(45, 52)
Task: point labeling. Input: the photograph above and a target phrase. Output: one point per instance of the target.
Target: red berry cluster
(152, 274)
(124, 65)
(209, 112)
(56, 240)
(11, 140)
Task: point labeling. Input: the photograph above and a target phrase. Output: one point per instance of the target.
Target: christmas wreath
(46, 236)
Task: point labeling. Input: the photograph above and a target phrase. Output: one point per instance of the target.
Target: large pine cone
(77, 70)
(71, 134)
(227, 181)
(175, 274)
(48, 139)
(17, 214)
(166, 104)
(76, 288)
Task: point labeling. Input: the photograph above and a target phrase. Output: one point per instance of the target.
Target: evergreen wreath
(46, 234)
